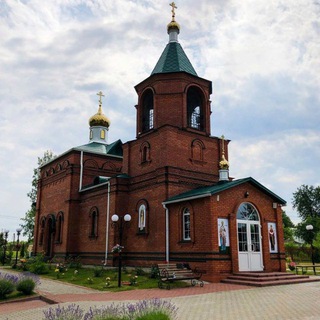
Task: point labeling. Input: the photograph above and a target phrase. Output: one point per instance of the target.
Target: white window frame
(186, 224)
(142, 217)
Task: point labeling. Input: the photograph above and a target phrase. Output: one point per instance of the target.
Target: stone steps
(264, 279)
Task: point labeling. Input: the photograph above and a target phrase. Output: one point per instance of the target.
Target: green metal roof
(114, 149)
(173, 59)
(219, 187)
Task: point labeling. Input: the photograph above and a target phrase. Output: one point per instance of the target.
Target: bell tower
(174, 95)
(173, 135)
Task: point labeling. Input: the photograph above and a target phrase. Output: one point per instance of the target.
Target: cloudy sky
(263, 58)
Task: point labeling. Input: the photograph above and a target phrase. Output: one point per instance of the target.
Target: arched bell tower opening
(147, 114)
(195, 109)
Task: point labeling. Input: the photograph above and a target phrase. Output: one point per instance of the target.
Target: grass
(108, 281)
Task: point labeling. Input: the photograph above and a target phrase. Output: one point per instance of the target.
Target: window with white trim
(186, 225)
(142, 217)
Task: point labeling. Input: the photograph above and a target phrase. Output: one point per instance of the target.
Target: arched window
(197, 148)
(142, 217)
(94, 215)
(142, 208)
(186, 225)
(147, 111)
(42, 226)
(59, 227)
(247, 211)
(195, 118)
(102, 134)
(145, 152)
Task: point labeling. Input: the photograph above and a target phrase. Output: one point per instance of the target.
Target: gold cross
(173, 5)
(101, 95)
(222, 138)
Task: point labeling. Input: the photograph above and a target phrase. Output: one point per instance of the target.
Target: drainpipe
(107, 225)
(167, 233)
(81, 170)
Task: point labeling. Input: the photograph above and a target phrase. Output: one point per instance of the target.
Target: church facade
(173, 180)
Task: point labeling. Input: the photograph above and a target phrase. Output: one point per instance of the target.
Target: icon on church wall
(142, 218)
(272, 234)
(223, 235)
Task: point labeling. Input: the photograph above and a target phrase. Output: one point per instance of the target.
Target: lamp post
(17, 246)
(5, 232)
(119, 222)
(309, 228)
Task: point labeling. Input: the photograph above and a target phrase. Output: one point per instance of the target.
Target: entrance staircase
(264, 279)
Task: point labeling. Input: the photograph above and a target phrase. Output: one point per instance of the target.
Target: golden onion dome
(99, 119)
(224, 164)
(173, 25)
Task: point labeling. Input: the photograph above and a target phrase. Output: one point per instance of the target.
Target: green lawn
(108, 281)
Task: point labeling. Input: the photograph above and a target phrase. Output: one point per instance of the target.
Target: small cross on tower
(100, 94)
(222, 138)
(173, 5)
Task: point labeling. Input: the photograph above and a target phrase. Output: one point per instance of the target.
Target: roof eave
(187, 198)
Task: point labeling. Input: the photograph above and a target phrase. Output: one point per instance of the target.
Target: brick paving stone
(213, 301)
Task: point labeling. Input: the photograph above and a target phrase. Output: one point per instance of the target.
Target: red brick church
(173, 180)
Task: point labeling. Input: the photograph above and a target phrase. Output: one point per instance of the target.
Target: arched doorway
(249, 238)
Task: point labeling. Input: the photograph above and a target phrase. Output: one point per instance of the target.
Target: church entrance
(249, 238)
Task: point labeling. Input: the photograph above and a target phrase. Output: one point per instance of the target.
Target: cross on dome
(100, 94)
(173, 5)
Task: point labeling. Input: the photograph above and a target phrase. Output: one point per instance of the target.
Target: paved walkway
(213, 301)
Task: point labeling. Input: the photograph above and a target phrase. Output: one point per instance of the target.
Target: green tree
(28, 220)
(311, 237)
(287, 227)
(22, 250)
(306, 200)
(2, 240)
(308, 236)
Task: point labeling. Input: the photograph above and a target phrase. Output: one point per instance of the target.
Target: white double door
(249, 246)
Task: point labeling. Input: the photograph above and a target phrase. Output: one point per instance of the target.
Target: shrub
(139, 271)
(72, 312)
(10, 277)
(37, 265)
(27, 283)
(7, 284)
(74, 262)
(22, 265)
(142, 310)
(98, 272)
(39, 268)
(154, 309)
(6, 287)
(158, 315)
(26, 286)
(154, 272)
(112, 312)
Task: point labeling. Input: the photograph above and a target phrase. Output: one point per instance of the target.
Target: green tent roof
(173, 59)
(219, 187)
(113, 149)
